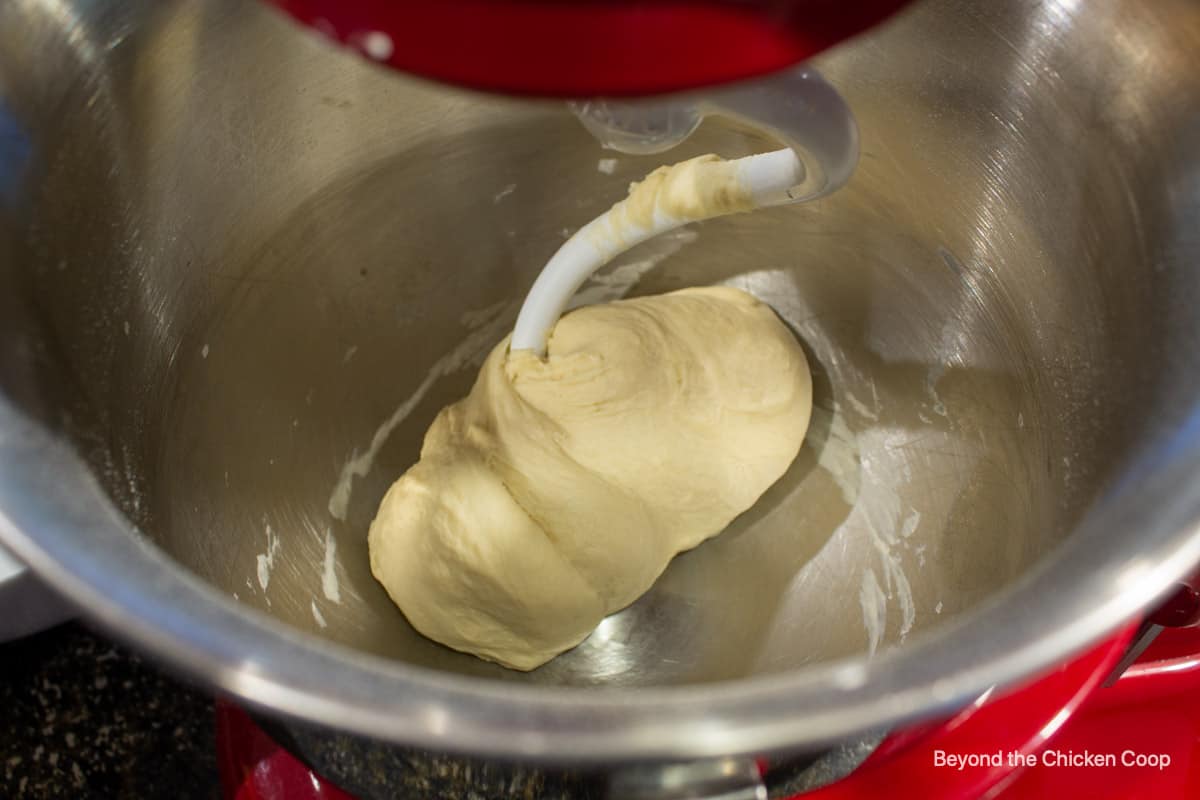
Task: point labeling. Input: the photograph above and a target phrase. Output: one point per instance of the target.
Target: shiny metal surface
(228, 254)
(718, 779)
(29, 605)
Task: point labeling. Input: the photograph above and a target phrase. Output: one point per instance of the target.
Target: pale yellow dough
(559, 489)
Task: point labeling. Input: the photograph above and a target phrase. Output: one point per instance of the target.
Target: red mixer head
(580, 48)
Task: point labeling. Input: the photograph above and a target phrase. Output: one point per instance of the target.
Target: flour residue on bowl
(503, 193)
(470, 351)
(616, 283)
(266, 560)
(472, 318)
(839, 450)
(855, 463)
(888, 526)
(874, 609)
(329, 579)
(900, 537)
(318, 617)
(870, 412)
(865, 469)
(870, 469)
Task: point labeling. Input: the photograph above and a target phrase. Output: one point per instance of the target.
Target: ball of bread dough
(560, 488)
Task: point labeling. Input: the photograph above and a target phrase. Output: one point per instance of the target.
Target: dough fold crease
(560, 488)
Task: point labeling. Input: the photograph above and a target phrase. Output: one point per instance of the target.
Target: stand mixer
(634, 48)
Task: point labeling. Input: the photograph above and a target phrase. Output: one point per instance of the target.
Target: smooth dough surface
(559, 489)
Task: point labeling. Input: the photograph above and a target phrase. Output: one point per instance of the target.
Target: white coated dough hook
(798, 107)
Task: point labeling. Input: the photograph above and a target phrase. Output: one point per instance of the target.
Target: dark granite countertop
(84, 718)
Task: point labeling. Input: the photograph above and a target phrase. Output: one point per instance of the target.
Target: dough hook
(799, 108)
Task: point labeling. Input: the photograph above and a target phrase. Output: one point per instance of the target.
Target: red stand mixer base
(1059, 736)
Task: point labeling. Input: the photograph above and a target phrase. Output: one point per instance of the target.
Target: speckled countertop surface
(84, 718)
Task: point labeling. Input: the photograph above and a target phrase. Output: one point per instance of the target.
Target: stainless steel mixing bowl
(229, 253)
